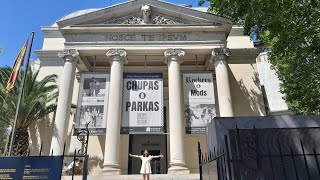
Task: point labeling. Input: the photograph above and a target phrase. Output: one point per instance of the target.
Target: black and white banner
(142, 109)
(92, 103)
(199, 100)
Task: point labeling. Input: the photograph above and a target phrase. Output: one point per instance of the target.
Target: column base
(178, 170)
(110, 171)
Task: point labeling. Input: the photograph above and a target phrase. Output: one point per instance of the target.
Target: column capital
(68, 54)
(117, 55)
(222, 51)
(174, 55)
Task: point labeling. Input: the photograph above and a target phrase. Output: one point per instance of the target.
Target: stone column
(64, 100)
(222, 78)
(176, 125)
(112, 144)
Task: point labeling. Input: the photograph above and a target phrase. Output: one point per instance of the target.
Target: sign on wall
(92, 103)
(48, 168)
(199, 101)
(142, 109)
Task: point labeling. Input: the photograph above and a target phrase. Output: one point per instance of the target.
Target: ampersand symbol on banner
(142, 95)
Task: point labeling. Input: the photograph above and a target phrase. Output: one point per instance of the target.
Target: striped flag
(16, 68)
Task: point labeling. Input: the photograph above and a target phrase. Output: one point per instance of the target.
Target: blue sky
(20, 17)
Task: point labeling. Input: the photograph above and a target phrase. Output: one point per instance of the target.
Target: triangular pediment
(154, 18)
(144, 12)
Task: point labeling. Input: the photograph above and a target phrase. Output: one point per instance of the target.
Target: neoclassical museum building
(145, 74)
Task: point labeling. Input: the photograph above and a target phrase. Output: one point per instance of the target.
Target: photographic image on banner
(142, 107)
(199, 101)
(92, 103)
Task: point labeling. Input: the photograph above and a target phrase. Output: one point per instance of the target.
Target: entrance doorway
(155, 144)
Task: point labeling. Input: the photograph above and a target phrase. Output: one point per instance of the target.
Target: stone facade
(271, 84)
(153, 36)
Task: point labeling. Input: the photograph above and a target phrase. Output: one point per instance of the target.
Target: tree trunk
(21, 142)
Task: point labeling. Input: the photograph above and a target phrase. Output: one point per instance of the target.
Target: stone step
(138, 177)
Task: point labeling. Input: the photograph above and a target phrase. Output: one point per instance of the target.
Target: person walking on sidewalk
(145, 163)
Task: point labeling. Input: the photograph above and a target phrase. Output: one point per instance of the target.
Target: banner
(92, 103)
(142, 109)
(33, 167)
(199, 101)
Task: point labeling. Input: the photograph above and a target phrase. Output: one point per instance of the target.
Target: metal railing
(80, 154)
(247, 154)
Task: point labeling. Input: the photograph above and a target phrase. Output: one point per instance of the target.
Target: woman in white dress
(145, 163)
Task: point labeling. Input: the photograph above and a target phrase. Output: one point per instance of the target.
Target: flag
(16, 68)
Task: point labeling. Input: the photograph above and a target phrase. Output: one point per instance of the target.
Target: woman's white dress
(145, 165)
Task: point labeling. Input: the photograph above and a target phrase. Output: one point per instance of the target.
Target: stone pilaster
(222, 78)
(112, 144)
(64, 100)
(176, 125)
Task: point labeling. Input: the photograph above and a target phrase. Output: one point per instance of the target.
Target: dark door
(156, 145)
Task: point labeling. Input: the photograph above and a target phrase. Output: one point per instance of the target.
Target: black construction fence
(264, 154)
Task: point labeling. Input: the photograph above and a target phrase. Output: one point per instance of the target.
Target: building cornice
(243, 56)
(48, 55)
(143, 28)
(53, 55)
(51, 32)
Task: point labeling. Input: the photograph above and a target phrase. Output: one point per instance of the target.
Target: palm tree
(38, 101)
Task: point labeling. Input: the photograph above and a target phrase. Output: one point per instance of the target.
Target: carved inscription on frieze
(123, 37)
(146, 37)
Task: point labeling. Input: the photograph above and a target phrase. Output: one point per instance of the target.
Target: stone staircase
(138, 177)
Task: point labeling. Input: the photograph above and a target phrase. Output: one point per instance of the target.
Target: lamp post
(83, 137)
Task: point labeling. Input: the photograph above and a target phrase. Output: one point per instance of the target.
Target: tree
(291, 29)
(38, 101)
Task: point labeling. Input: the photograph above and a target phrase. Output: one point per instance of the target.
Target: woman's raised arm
(135, 156)
(160, 156)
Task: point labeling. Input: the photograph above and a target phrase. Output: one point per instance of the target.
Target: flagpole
(13, 131)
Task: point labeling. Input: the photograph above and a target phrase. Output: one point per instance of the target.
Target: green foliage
(291, 28)
(4, 132)
(38, 101)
